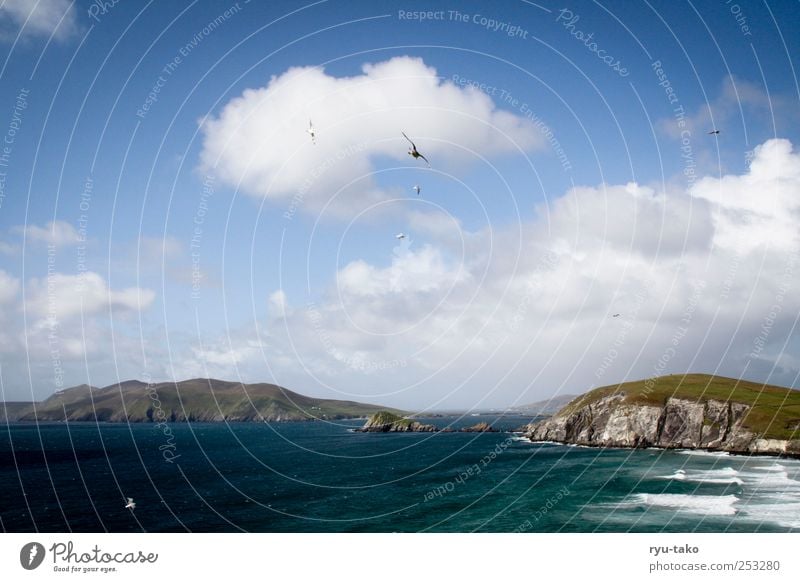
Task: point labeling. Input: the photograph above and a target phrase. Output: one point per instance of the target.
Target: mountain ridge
(196, 399)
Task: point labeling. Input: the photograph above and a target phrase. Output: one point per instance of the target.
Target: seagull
(417, 188)
(400, 236)
(310, 131)
(130, 505)
(412, 151)
(713, 132)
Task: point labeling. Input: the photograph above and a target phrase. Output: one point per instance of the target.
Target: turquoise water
(322, 477)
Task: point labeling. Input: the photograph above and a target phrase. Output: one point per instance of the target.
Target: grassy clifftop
(774, 410)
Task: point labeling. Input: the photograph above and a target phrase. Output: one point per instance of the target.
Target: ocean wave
(726, 476)
(780, 512)
(704, 453)
(695, 504)
(778, 481)
(773, 467)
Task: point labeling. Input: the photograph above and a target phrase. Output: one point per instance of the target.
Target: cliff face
(610, 422)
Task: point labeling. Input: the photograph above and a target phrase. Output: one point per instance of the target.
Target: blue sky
(423, 322)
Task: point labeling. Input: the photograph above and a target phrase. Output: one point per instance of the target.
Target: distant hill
(11, 411)
(681, 411)
(200, 400)
(545, 407)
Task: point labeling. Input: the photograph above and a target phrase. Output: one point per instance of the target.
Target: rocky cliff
(620, 418)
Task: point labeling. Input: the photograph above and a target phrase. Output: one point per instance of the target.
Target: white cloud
(55, 232)
(63, 296)
(760, 208)
(159, 250)
(8, 249)
(677, 266)
(277, 304)
(524, 310)
(9, 287)
(46, 18)
(259, 144)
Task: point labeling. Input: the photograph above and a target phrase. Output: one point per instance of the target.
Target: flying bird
(130, 505)
(713, 132)
(400, 236)
(417, 188)
(310, 131)
(412, 151)
(616, 315)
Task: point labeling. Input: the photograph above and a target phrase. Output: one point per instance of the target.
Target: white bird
(400, 236)
(310, 131)
(130, 505)
(417, 189)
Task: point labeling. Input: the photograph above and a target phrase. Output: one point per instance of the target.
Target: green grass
(774, 413)
(386, 417)
(198, 399)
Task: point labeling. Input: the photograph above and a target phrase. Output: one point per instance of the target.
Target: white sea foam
(778, 512)
(772, 481)
(696, 504)
(704, 453)
(773, 467)
(726, 476)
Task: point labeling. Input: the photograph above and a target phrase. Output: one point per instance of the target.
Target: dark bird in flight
(616, 315)
(713, 132)
(417, 188)
(412, 151)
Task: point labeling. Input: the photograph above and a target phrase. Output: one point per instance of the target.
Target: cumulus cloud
(759, 209)
(55, 232)
(258, 143)
(694, 275)
(703, 279)
(44, 18)
(9, 287)
(8, 248)
(62, 296)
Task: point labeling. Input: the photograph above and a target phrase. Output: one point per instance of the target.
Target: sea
(325, 477)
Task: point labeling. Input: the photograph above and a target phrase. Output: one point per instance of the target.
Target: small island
(692, 411)
(385, 421)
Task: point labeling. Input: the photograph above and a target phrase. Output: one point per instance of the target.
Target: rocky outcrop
(678, 423)
(480, 427)
(387, 422)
